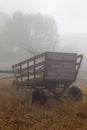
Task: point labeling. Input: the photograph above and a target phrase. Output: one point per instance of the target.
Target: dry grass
(16, 113)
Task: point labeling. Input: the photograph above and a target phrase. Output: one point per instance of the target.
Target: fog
(70, 16)
(43, 25)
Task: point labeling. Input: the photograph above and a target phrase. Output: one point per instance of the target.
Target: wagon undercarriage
(50, 71)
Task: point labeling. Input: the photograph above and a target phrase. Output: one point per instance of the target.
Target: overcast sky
(70, 15)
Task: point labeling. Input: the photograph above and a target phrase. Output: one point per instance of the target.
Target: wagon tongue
(6, 72)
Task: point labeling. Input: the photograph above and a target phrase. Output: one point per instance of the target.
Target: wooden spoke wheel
(39, 97)
(75, 93)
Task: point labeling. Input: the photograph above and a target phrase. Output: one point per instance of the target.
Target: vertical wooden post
(21, 73)
(15, 73)
(28, 69)
(34, 70)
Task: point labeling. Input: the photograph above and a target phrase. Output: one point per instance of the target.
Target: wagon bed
(49, 67)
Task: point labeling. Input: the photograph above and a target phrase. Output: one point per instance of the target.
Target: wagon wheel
(75, 94)
(39, 97)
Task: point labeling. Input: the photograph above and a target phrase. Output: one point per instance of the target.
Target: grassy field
(17, 113)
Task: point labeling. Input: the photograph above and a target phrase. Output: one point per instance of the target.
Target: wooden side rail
(78, 63)
(29, 60)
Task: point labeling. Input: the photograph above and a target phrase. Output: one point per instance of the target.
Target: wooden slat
(60, 70)
(61, 76)
(79, 56)
(30, 73)
(61, 56)
(31, 67)
(61, 66)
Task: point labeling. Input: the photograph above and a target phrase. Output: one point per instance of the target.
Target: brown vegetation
(16, 112)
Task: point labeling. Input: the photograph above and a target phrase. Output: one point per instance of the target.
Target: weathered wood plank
(61, 66)
(61, 56)
(62, 76)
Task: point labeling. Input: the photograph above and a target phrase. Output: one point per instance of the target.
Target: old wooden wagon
(50, 71)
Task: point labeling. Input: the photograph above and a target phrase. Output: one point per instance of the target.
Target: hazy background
(42, 25)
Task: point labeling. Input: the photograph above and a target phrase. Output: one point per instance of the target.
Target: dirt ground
(17, 113)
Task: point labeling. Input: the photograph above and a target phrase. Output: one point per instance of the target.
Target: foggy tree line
(30, 32)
